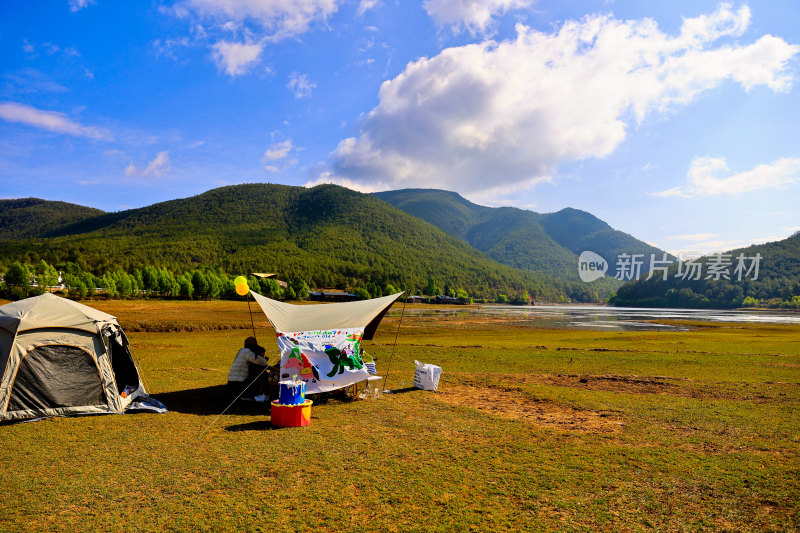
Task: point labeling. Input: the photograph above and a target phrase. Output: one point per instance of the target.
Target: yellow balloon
(242, 289)
(238, 280)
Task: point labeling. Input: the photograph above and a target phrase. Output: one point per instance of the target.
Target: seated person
(240, 375)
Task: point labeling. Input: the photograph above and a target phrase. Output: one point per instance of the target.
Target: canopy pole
(251, 315)
(389, 366)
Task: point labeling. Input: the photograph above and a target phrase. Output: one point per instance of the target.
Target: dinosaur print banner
(325, 359)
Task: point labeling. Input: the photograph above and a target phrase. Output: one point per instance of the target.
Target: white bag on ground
(426, 376)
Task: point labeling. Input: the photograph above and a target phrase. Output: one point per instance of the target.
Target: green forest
(432, 242)
(548, 243)
(326, 236)
(775, 284)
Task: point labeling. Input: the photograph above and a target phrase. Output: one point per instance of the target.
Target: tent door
(125, 373)
(53, 376)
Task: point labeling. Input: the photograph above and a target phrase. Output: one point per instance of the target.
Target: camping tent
(321, 344)
(59, 357)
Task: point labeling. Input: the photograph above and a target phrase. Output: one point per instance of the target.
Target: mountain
(509, 235)
(578, 231)
(775, 283)
(520, 238)
(328, 235)
(30, 217)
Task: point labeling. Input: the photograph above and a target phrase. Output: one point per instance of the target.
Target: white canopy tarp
(321, 344)
(365, 314)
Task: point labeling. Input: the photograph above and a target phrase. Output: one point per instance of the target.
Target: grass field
(531, 430)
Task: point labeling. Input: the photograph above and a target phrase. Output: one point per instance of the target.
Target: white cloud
(355, 185)
(475, 16)
(235, 58)
(675, 192)
(158, 166)
(300, 85)
(693, 237)
(50, 121)
(223, 22)
(492, 114)
(366, 5)
(283, 17)
(713, 246)
(278, 151)
(702, 178)
(168, 47)
(724, 21)
(77, 5)
(30, 80)
(50, 49)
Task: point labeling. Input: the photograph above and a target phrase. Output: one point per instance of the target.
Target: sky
(675, 121)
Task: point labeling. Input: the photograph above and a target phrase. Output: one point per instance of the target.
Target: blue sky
(677, 122)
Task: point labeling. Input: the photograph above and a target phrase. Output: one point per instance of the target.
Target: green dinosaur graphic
(341, 360)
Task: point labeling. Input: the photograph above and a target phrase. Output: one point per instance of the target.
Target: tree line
(21, 280)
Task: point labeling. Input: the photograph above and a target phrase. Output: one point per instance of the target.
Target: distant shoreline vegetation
(22, 280)
(329, 236)
(773, 293)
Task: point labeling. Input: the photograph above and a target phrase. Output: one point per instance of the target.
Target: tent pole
(251, 315)
(395, 344)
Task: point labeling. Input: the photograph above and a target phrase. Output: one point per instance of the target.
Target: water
(601, 318)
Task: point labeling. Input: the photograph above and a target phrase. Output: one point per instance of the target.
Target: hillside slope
(328, 235)
(775, 282)
(30, 217)
(548, 243)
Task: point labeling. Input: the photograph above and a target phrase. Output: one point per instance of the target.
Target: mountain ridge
(327, 234)
(546, 242)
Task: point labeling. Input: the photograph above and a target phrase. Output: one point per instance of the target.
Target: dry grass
(531, 430)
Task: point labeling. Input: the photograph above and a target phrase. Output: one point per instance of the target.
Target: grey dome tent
(59, 357)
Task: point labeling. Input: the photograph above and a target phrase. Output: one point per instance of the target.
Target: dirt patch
(612, 383)
(670, 386)
(517, 406)
(632, 384)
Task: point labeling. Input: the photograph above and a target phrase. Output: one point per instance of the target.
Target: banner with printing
(326, 360)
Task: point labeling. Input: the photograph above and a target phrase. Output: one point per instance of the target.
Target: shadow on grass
(259, 425)
(209, 401)
(213, 401)
(403, 391)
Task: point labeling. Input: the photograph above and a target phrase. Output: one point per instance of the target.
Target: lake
(601, 318)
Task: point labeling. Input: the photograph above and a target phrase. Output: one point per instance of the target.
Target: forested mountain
(328, 235)
(520, 238)
(770, 276)
(578, 230)
(32, 217)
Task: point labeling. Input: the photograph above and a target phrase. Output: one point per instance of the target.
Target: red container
(291, 416)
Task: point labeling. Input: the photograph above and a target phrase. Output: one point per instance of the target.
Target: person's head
(259, 350)
(250, 342)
